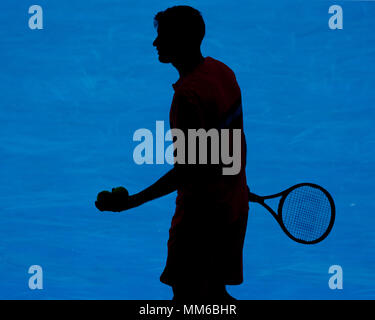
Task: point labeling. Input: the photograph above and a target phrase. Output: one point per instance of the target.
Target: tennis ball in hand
(104, 196)
(120, 195)
(121, 192)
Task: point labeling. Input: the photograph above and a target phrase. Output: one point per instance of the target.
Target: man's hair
(184, 22)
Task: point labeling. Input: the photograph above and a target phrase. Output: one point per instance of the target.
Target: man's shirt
(206, 98)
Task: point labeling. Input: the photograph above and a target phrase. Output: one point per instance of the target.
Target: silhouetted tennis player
(208, 228)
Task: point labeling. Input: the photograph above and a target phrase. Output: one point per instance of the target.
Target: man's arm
(122, 201)
(165, 185)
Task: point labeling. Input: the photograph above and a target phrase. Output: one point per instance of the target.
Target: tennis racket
(306, 212)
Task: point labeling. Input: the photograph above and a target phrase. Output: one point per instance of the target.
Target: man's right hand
(116, 201)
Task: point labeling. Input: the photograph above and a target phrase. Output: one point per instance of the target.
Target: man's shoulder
(219, 66)
(207, 78)
(218, 63)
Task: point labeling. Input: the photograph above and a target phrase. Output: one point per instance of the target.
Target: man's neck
(188, 64)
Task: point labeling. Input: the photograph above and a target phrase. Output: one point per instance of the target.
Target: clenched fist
(115, 201)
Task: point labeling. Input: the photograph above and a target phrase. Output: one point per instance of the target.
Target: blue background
(73, 94)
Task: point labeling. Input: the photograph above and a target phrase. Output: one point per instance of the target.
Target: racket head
(306, 213)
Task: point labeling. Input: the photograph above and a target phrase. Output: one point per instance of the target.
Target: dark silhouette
(208, 228)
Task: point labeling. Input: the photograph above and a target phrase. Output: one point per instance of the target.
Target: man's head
(180, 32)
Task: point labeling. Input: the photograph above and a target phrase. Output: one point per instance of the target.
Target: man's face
(166, 46)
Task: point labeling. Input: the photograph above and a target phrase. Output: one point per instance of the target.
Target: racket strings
(306, 213)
